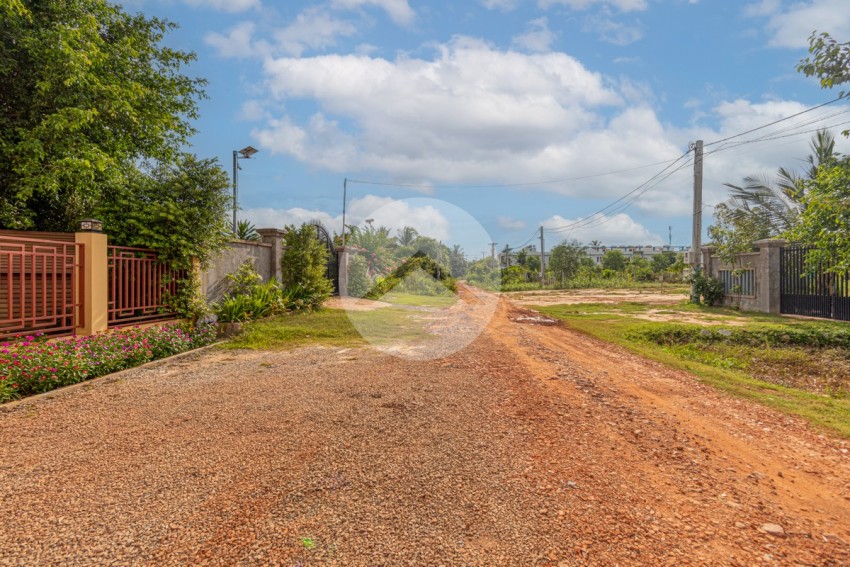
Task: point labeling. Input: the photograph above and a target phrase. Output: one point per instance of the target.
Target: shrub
(358, 277)
(707, 290)
(304, 265)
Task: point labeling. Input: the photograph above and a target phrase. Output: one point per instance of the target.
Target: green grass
(398, 298)
(732, 368)
(334, 327)
(598, 283)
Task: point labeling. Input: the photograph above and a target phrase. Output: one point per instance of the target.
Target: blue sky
(508, 109)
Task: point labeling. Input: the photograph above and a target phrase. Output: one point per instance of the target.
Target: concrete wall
(764, 262)
(214, 279)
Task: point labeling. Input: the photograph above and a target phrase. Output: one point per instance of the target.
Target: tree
(484, 273)
(733, 235)
(825, 223)
(565, 259)
(829, 62)
(614, 260)
(245, 230)
(304, 263)
(178, 210)
(457, 261)
(774, 204)
(661, 262)
(376, 247)
(87, 93)
(639, 269)
(406, 236)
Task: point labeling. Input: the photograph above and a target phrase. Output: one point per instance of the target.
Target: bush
(34, 365)
(757, 336)
(707, 290)
(304, 266)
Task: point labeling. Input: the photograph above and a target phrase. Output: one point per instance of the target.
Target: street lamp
(244, 153)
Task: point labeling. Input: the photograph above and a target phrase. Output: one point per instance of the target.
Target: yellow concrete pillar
(94, 291)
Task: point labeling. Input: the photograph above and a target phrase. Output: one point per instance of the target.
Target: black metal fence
(811, 289)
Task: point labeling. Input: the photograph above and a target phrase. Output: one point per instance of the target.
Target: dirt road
(535, 445)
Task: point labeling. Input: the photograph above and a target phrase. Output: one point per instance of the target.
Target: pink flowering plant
(31, 364)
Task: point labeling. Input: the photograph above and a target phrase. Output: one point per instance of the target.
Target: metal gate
(39, 286)
(811, 290)
(332, 268)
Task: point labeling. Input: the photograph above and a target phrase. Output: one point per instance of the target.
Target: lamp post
(244, 153)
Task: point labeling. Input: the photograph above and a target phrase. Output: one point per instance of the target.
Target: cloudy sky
(521, 112)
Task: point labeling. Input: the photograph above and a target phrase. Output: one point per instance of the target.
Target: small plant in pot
(232, 312)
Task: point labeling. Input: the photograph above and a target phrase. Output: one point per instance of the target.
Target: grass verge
(756, 372)
(335, 327)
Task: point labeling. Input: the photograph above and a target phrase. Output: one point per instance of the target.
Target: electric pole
(493, 250)
(696, 246)
(542, 259)
(696, 240)
(670, 236)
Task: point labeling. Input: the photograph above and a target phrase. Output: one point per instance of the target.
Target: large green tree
(87, 92)
(774, 202)
(825, 222)
(565, 259)
(178, 209)
(829, 61)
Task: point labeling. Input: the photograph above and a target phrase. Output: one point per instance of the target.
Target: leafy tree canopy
(825, 221)
(614, 260)
(565, 259)
(179, 210)
(87, 93)
(829, 61)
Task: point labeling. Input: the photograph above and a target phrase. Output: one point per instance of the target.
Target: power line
(738, 135)
(636, 189)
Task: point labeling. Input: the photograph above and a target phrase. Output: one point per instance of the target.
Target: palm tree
(776, 201)
(406, 236)
(245, 230)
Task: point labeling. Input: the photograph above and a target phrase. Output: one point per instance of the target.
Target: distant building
(595, 253)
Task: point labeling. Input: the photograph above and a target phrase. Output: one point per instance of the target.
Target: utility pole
(696, 239)
(493, 250)
(542, 259)
(344, 191)
(670, 236)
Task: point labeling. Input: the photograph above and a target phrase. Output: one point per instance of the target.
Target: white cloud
(622, 5)
(790, 26)
(538, 38)
(313, 28)
(451, 118)
(609, 230)
(503, 5)
(510, 224)
(231, 6)
(391, 213)
(237, 43)
(612, 31)
(398, 10)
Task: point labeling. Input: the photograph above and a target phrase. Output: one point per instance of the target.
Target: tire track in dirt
(722, 467)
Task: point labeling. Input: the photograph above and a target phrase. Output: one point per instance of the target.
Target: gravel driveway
(528, 447)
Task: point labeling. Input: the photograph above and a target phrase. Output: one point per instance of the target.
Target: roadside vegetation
(34, 365)
(799, 367)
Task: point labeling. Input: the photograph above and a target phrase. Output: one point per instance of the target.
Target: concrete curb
(9, 407)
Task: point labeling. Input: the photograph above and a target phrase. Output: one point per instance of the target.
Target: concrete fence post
(274, 236)
(768, 276)
(343, 258)
(94, 286)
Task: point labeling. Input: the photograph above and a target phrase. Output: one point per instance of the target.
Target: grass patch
(798, 367)
(335, 327)
(446, 299)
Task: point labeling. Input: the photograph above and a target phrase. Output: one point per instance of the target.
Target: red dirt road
(535, 445)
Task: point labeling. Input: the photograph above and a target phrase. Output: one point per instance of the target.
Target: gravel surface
(533, 446)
